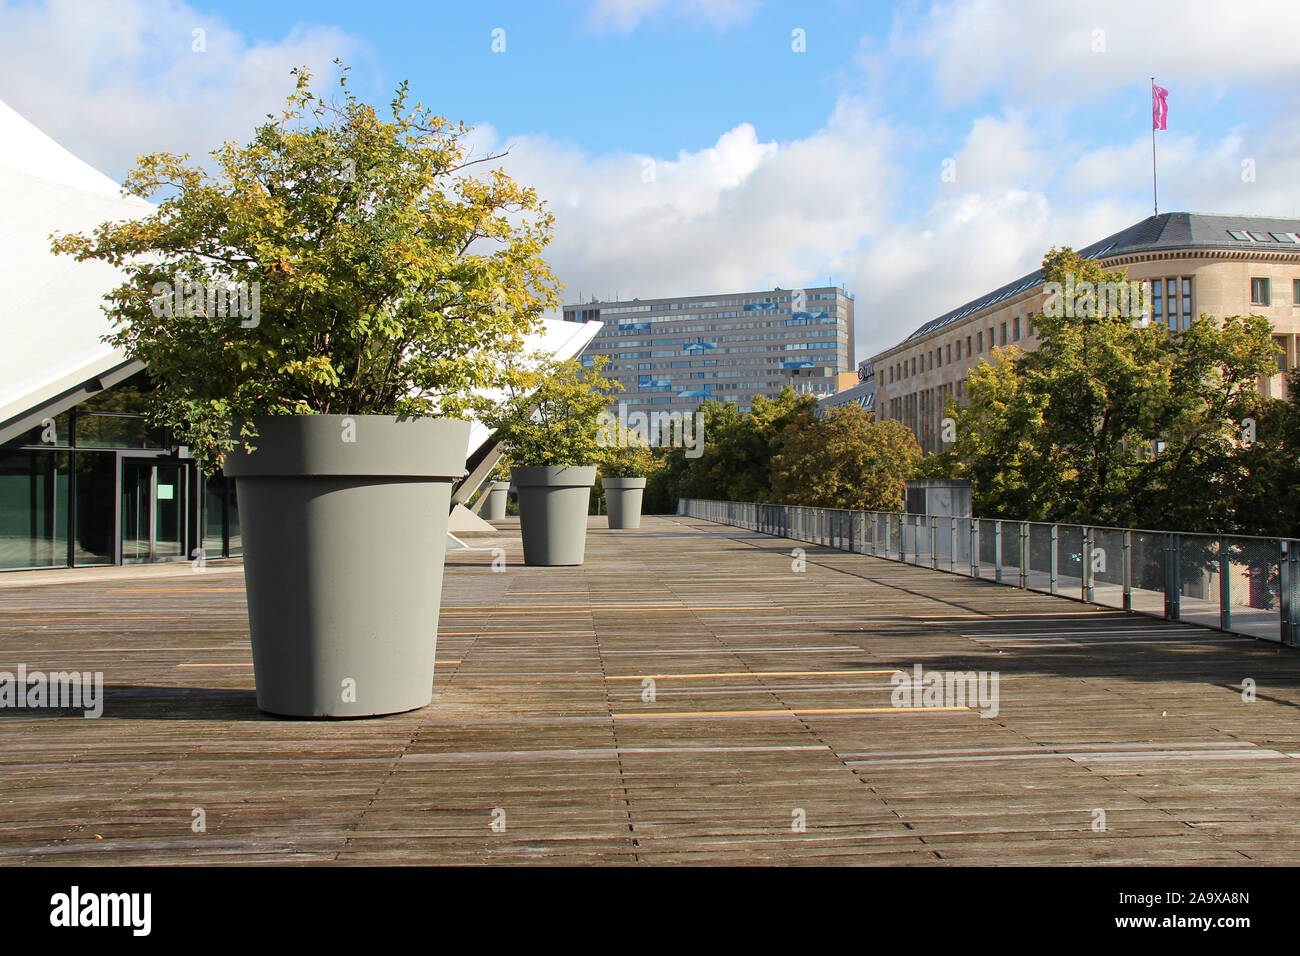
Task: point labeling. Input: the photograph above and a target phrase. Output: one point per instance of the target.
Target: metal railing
(1235, 583)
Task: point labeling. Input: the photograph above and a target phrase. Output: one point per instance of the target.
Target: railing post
(902, 537)
(1054, 567)
(1088, 592)
(934, 559)
(1225, 586)
(1293, 553)
(1284, 591)
(1024, 554)
(997, 550)
(974, 547)
(1128, 570)
(952, 544)
(1173, 586)
(1288, 566)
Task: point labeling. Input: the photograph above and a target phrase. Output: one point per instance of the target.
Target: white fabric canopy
(51, 320)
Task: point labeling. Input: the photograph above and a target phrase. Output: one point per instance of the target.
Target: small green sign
(166, 492)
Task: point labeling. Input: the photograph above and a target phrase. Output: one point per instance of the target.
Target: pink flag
(1159, 107)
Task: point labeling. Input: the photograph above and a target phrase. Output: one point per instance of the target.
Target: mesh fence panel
(921, 531)
(943, 551)
(1147, 575)
(1011, 533)
(1254, 597)
(987, 547)
(1198, 579)
(1107, 566)
(1069, 560)
(1038, 575)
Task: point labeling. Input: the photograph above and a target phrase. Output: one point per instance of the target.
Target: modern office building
(671, 354)
(1194, 264)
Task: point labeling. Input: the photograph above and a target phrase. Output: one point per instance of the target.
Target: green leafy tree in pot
(550, 411)
(342, 262)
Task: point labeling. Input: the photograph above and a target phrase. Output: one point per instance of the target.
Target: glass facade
(96, 485)
(727, 347)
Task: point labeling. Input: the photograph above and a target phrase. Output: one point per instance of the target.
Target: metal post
(1088, 592)
(997, 550)
(902, 538)
(1225, 586)
(1293, 588)
(974, 547)
(1128, 570)
(952, 547)
(1054, 567)
(1173, 586)
(1284, 589)
(1024, 554)
(934, 559)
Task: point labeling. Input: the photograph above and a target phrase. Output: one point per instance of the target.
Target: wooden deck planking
(538, 711)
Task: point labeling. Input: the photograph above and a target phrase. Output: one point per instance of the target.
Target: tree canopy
(373, 274)
(1115, 421)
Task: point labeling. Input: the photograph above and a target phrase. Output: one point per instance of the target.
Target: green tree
(738, 448)
(550, 411)
(844, 460)
(385, 278)
(1108, 421)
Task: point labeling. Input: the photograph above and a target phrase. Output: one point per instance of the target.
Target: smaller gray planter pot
(495, 509)
(553, 503)
(623, 501)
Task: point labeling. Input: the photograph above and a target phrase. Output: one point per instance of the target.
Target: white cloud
(1045, 52)
(111, 81)
(743, 213)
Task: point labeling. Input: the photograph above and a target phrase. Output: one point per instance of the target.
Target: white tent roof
(51, 316)
(51, 319)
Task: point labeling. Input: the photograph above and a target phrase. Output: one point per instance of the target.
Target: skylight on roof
(1259, 237)
(1239, 236)
(1283, 236)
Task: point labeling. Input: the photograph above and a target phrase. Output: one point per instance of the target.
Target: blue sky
(767, 166)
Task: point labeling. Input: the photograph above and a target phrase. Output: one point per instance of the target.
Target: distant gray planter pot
(496, 500)
(553, 502)
(344, 519)
(623, 501)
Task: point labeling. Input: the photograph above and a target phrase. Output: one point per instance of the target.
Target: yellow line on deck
(748, 674)
(794, 713)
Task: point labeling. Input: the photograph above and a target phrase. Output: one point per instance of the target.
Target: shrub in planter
(548, 421)
(625, 464)
(497, 490)
(315, 313)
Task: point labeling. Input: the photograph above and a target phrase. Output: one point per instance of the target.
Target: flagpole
(1155, 195)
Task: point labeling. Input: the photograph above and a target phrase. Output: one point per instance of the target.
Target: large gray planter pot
(496, 500)
(553, 503)
(344, 521)
(623, 501)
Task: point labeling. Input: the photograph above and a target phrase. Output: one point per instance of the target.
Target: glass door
(154, 509)
(137, 510)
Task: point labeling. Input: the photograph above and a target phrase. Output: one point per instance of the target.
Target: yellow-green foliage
(390, 280)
